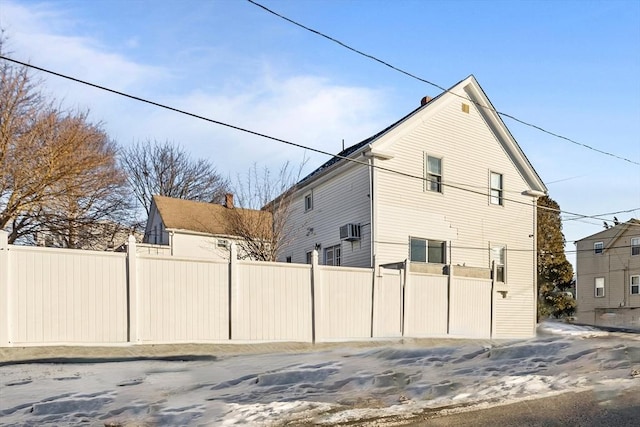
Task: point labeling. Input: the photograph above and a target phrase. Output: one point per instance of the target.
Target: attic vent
(465, 108)
(350, 232)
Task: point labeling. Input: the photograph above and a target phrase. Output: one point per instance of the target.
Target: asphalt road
(587, 408)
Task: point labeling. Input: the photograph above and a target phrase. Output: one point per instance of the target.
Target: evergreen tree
(555, 273)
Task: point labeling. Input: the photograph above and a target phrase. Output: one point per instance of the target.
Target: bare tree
(262, 226)
(166, 169)
(58, 173)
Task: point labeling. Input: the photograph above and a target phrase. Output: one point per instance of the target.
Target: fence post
(233, 279)
(314, 280)
(5, 311)
(132, 292)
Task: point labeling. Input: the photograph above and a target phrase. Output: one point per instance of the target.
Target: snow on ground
(328, 387)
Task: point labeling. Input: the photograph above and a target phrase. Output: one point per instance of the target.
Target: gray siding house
(608, 276)
(446, 188)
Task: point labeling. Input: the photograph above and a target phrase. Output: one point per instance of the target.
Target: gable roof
(202, 217)
(614, 233)
(469, 88)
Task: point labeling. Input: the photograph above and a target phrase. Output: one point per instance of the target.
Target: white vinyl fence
(59, 296)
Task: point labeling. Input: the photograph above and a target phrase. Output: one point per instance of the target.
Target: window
(599, 287)
(422, 250)
(635, 285)
(289, 259)
(433, 174)
(635, 246)
(496, 189)
(498, 253)
(332, 255)
(223, 243)
(598, 247)
(309, 257)
(308, 202)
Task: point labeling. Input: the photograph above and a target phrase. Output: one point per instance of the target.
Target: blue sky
(572, 68)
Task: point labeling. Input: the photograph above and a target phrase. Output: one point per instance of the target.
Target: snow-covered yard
(340, 384)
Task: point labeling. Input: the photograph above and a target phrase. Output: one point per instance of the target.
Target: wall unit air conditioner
(350, 232)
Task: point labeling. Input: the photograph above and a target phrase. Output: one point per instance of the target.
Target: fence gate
(470, 308)
(388, 303)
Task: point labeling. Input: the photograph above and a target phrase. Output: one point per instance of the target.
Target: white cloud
(305, 109)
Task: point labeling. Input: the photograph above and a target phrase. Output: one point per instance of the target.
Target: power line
(413, 76)
(238, 128)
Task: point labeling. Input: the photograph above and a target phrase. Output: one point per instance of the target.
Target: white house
(446, 187)
(191, 229)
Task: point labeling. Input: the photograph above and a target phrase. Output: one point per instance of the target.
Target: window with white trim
(635, 285)
(308, 202)
(433, 174)
(332, 255)
(598, 247)
(599, 282)
(635, 246)
(496, 188)
(308, 257)
(423, 250)
(498, 258)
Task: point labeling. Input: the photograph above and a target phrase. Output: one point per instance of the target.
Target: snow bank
(340, 385)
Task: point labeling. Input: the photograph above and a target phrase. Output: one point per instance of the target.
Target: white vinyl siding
(463, 219)
(599, 287)
(339, 200)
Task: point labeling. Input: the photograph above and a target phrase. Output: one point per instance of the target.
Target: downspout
(535, 264)
(372, 257)
(535, 195)
(371, 216)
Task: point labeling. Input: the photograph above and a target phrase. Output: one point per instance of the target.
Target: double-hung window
(423, 250)
(498, 258)
(635, 246)
(332, 255)
(598, 247)
(433, 174)
(308, 202)
(599, 287)
(635, 285)
(496, 182)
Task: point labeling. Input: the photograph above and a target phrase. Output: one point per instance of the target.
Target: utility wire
(413, 76)
(238, 128)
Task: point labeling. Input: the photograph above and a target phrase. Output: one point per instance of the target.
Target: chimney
(425, 100)
(228, 200)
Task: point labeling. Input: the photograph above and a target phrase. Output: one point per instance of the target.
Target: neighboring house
(186, 228)
(608, 276)
(103, 235)
(445, 185)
